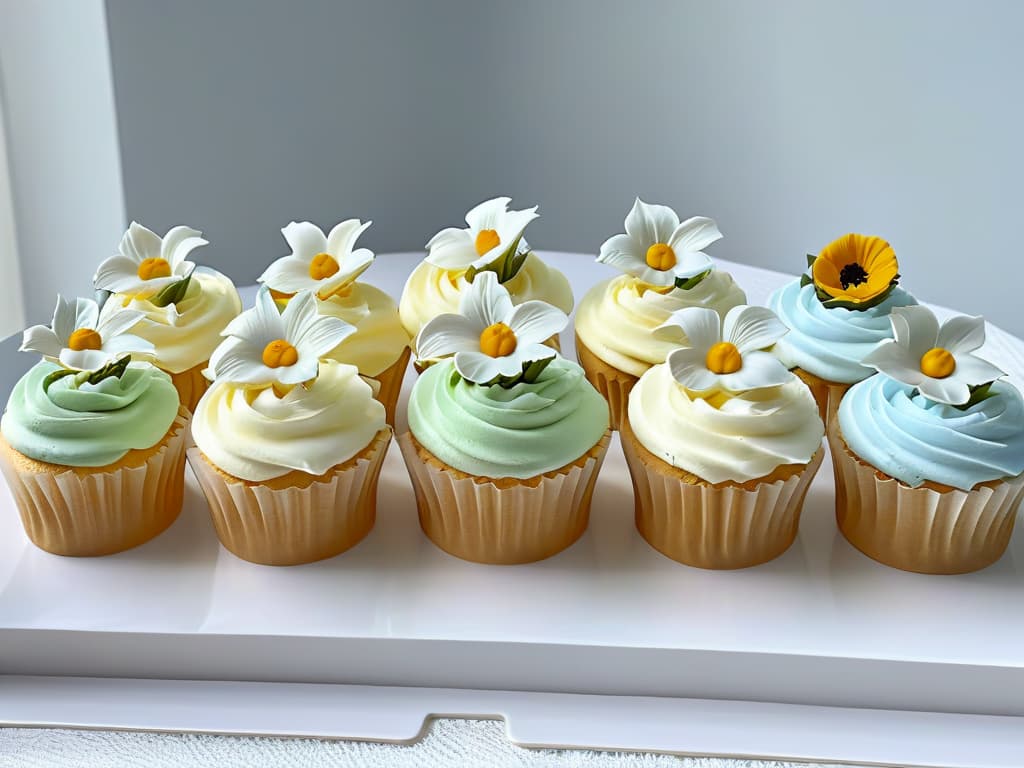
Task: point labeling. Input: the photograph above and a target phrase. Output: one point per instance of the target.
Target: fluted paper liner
(90, 511)
(613, 384)
(502, 521)
(718, 526)
(299, 518)
(191, 385)
(827, 394)
(929, 529)
(390, 380)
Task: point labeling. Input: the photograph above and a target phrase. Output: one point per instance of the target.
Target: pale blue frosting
(907, 436)
(830, 343)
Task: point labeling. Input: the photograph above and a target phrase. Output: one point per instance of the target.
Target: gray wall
(790, 122)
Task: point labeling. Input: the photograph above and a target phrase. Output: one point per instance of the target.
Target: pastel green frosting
(519, 432)
(93, 425)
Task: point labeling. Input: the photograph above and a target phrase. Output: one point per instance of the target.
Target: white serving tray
(821, 654)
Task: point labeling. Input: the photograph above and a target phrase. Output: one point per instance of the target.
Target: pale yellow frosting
(379, 338)
(617, 317)
(432, 291)
(184, 334)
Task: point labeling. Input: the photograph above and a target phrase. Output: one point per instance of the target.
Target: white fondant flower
(727, 354)
(492, 230)
(319, 263)
(657, 248)
(490, 337)
(937, 360)
(265, 346)
(147, 263)
(79, 339)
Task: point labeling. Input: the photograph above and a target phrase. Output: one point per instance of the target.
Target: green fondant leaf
(174, 292)
(978, 394)
(690, 282)
(832, 303)
(506, 266)
(57, 375)
(533, 370)
(805, 279)
(114, 369)
(811, 258)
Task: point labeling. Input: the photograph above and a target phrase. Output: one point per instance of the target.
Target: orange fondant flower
(855, 269)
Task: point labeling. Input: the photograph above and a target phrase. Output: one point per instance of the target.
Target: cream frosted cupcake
(328, 265)
(289, 444)
(182, 309)
(507, 437)
(929, 454)
(665, 271)
(722, 443)
(837, 314)
(92, 444)
(493, 242)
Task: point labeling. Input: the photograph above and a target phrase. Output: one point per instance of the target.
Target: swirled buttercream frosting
(898, 431)
(379, 338)
(520, 432)
(746, 437)
(92, 425)
(431, 291)
(255, 435)
(830, 343)
(617, 317)
(184, 334)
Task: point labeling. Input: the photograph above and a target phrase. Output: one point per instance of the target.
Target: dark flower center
(852, 274)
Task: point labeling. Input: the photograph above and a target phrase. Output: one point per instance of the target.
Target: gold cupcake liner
(929, 529)
(503, 521)
(91, 511)
(298, 518)
(827, 394)
(613, 384)
(191, 385)
(390, 380)
(716, 526)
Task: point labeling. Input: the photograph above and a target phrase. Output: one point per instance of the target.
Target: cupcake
(328, 266)
(929, 454)
(92, 443)
(289, 443)
(837, 314)
(182, 309)
(493, 242)
(664, 271)
(722, 442)
(506, 437)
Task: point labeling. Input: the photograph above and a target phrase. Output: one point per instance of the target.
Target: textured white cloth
(451, 743)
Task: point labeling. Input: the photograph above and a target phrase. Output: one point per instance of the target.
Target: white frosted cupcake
(665, 271)
(289, 445)
(722, 443)
(182, 308)
(493, 242)
(329, 265)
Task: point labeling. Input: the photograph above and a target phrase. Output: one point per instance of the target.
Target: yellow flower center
(323, 266)
(723, 357)
(279, 354)
(154, 267)
(937, 363)
(486, 240)
(498, 340)
(660, 256)
(85, 338)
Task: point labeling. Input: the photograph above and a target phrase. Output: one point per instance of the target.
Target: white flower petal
(85, 359)
(260, 325)
(650, 224)
(701, 325)
(447, 334)
(531, 353)
(693, 235)
(289, 274)
(351, 267)
(320, 337)
(342, 239)
(487, 214)
(536, 321)
(512, 225)
(752, 328)
(307, 367)
(950, 390)
(759, 370)
(510, 365)
(690, 264)
(476, 366)
(126, 343)
(117, 274)
(42, 341)
(451, 249)
(87, 313)
(689, 370)
(887, 355)
(63, 323)
(113, 324)
(486, 302)
(624, 253)
(305, 239)
(962, 334)
(177, 244)
(974, 370)
(140, 243)
(915, 328)
(241, 362)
